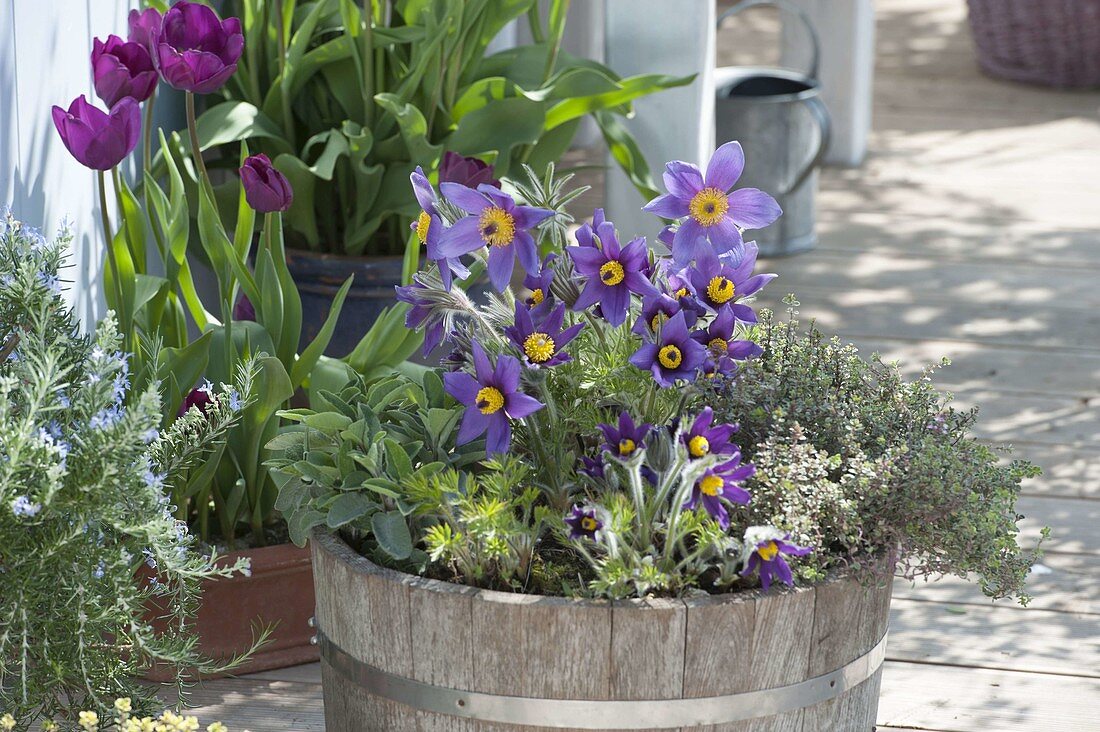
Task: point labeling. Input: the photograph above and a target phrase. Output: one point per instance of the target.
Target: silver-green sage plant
(88, 540)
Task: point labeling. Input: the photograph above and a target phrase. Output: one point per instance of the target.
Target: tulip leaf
(313, 351)
(336, 146)
(624, 148)
(629, 90)
(499, 125)
(413, 127)
(184, 366)
(234, 121)
(301, 215)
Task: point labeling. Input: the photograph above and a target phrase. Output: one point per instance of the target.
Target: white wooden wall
(44, 60)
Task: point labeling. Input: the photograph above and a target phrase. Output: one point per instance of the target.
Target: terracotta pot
(279, 592)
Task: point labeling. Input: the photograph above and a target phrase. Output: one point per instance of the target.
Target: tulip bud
(265, 188)
(97, 139)
(195, 50)
(470, 172)
(122, 69)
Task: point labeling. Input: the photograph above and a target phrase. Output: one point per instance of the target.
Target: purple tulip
(470, 172)
(764, 550)
(492, 399)
(496, 222)
(673, 355)
(97, 139)
(584, 523)
(265, 188)
(200, 398)
(613, 273)
(122, 69)
(429, 229)
(713, 213)
(144, 29)
(244, 309)
(541, 343)
(195, 50)
(719, 485)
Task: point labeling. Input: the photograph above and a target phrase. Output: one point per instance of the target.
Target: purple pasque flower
(542, 342)
(195, 50)
(470, 172)
(584, 523)
(658, 309)
(764, 547)
(429, 228)
(122, 69)
(613, 273)
(593, 467)
(672, 355)
(719, 281)
(626, 439)
(586, 233)
(720, 485)
(99, 140)
(539, 284)
(495, 221)
(144, 29)
(265, 188)
(713, 212)
(702, 439)
(423, 313)
(719, 340)
(244, 309)
(492, 398)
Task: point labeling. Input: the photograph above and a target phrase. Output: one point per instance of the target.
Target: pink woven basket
(1051, 42)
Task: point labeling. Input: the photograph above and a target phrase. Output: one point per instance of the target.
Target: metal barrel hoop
(601, 714)
(813, 104)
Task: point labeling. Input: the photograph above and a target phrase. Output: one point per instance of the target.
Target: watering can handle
(820, 113)
(791, 9)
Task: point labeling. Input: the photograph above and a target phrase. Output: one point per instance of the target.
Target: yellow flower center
(612, 273)
(589, 524)
(497, 227)
(490, 400)
(698, 446)
(537, 296)
(720, 289)
(709, 206)
(768, 551)
(682, 292)
(423, 221)
(657, 320)
(718, 346)
(711, 485)
(627, 446)
(539, 347)
(670, 357)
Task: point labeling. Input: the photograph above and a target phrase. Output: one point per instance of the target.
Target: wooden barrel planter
(402, 653)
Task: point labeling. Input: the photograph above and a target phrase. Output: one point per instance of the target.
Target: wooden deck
(973, 231)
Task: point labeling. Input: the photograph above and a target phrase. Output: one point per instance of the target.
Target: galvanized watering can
(780, 120)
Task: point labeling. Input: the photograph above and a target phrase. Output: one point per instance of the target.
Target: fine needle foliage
(87, 537)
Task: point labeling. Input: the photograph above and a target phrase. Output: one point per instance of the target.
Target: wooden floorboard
(973, 232)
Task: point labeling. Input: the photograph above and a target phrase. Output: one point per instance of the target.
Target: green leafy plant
(349, 98)
(851, 455)
(85, 477)
(347, 467)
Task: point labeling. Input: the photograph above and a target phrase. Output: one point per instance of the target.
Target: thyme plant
(84, 475)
